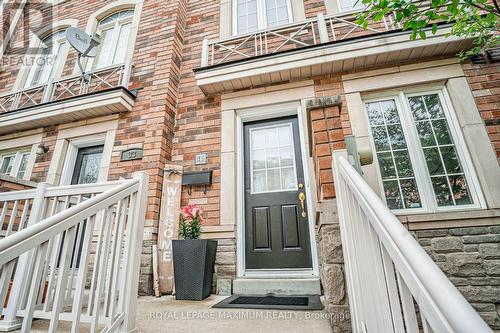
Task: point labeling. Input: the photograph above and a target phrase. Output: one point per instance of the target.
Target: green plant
(190, 221)
(477, 19)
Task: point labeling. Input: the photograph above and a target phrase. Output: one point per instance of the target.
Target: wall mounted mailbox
(199, 178)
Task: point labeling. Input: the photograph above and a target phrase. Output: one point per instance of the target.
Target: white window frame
(18, 156)
(57, 68)
(261, 16)
(117, 24)
(415, 151)
(350, 10)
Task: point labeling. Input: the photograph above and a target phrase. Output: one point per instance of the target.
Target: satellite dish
(85, 45)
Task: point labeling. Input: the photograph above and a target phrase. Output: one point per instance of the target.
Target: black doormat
(271, 302)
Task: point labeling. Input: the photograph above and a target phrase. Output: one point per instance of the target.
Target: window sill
(17, 181)
(465, 218)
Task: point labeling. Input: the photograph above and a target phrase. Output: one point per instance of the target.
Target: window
(420, 164)
(49, 59)
(14, 163)
(251, 15)
(272, 158)
(350, 5)
(114, 31)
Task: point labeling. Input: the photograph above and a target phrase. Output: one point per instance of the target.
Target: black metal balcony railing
(322, 29)
(60, 89)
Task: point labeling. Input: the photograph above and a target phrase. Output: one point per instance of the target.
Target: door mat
(271, 302)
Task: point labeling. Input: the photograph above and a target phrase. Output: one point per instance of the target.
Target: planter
(193, 268)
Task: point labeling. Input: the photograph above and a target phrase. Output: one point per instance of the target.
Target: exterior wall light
(41, 149)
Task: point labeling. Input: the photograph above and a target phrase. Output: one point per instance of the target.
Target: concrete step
(278, 286)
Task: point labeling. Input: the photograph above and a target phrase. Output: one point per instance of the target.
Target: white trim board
(325, 59)
(65, 111)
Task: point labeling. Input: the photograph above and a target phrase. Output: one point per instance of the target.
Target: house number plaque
(201, 159)
(132, 154)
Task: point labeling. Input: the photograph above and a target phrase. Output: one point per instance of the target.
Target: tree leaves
(476, 19)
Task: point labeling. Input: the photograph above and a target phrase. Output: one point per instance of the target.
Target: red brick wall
(7, 185)
(198, 120)
(157, 72)
(314, 7)
(484, 81)
(329, 127)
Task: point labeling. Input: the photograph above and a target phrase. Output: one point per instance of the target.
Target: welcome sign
(168, 226)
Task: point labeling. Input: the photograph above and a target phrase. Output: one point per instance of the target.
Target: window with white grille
(252, 15)
(115, 32)
(421, 163)
(14, 163)
(49, 59)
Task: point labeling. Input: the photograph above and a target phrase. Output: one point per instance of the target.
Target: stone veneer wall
(331, 262)
(333, 278)
(225, 266)
(470, 257)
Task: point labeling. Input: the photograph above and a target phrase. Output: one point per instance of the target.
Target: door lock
(302, 197)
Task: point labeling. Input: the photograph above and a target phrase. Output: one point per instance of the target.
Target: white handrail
(22, 241)
(46, 263)
(398, 265)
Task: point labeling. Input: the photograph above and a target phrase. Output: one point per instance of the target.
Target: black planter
(193, 268)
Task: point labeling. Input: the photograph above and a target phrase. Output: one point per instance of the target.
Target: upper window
(14, 163)
(421, 165)
(252, 15)
(114, 31)
(350, 5)
(49, 59)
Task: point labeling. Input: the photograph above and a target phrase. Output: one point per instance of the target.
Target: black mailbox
(198, 178)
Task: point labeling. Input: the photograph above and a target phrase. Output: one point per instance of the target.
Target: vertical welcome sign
(168, 226)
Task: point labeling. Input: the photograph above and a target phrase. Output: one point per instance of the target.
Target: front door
(276, 218)
(87, 165)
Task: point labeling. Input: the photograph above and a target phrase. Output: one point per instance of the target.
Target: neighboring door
(86, 171)
(87, 165)
(276, 218)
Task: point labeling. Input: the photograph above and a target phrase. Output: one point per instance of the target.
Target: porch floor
(166, 314)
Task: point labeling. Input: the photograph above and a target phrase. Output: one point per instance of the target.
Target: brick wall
(8, 184)
(329, 126)
(314, 7)
(484, 81)
(198, 119)
(157, 70)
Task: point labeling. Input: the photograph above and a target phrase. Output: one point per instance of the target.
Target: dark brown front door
(276, 218)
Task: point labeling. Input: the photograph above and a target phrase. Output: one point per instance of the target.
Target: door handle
(302, 197)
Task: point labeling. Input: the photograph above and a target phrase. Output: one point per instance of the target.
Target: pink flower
(192, 211)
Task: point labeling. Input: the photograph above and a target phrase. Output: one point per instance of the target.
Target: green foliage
(189, 229)
(477, 19)
(190, 221)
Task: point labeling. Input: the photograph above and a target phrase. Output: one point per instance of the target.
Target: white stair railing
(77, 259)
(393, 285)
